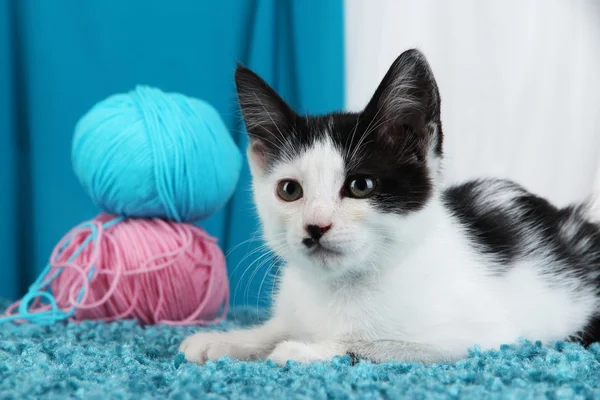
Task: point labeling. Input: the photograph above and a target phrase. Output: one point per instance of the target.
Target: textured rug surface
(123, 361)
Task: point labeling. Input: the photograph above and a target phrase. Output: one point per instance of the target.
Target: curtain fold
(9, 272)
(72, 54)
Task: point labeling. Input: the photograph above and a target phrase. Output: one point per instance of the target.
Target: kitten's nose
(317, 231)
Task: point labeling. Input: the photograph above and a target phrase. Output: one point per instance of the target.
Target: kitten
(384, 263)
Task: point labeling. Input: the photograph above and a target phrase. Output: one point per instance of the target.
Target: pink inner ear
(257, 153)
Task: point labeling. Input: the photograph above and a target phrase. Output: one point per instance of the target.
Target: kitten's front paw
(203, 346)
(304, 352)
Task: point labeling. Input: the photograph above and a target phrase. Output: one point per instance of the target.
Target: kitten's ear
(266, 115)
(406, 106)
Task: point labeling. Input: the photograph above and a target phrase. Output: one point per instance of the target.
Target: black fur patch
(510, 224)
(490, 228)
(590, 334)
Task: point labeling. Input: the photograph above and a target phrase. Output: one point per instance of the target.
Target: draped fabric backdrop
(519, 82)
(58, 58)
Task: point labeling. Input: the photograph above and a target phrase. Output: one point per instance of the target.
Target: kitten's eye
(289, 190)
(360, 187)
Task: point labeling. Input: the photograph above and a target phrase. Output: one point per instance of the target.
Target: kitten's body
(412, 271)
(441, 291)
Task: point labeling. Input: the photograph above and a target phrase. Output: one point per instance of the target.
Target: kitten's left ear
(267, 116)
(406, 106)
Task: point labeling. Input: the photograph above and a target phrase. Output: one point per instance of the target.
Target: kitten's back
(507, 224)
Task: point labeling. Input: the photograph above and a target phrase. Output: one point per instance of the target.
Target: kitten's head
(331, 190)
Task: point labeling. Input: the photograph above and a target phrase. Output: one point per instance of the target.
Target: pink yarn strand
(152, 270)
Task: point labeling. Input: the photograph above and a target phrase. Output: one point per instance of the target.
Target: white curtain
(519, 79)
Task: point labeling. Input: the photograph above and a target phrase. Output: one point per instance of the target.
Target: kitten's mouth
(321, 251)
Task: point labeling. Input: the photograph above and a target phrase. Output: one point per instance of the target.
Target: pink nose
(317, 231)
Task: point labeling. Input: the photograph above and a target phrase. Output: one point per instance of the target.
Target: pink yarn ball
(151, 270)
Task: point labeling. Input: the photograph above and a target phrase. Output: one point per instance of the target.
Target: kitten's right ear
(406, 106)
(267, 117)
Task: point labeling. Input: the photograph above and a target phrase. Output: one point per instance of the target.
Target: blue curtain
(58, 58)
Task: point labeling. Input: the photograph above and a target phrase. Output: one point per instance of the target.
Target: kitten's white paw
(304, 352)
(203, 346)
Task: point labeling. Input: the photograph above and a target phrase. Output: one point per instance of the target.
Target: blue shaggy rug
(124, 361)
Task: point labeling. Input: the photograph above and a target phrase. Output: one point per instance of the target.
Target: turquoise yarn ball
(147, 153)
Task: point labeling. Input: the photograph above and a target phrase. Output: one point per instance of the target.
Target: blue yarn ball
(147, 153)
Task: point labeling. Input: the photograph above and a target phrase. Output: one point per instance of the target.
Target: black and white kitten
(384, 263)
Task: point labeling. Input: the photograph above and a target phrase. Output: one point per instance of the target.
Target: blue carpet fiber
(124, 361)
